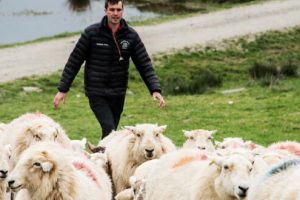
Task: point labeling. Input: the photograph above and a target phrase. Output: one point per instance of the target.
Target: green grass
(262, 114)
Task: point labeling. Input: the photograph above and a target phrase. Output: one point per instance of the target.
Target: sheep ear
(83, 140)
(47, 166)
(130, 128)
(217, 144)
(8, 148)
(186, 133)
(217, 160)
(29, 130)
(162, 128)
(132, 180)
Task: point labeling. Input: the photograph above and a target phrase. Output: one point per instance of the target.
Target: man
(106, 48)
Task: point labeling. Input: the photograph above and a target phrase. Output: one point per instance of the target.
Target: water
(25, 20)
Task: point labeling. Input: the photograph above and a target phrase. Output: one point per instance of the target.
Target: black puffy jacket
(106, 71)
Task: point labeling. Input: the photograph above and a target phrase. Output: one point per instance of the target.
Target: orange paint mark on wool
(188, 159)
(83, 167)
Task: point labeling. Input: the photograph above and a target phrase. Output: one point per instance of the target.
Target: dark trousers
(108, 111)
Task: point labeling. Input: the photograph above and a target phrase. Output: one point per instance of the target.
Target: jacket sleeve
(72, 67)
(143, 64)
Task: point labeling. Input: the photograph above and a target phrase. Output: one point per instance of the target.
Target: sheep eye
(36, 164)
(134, 191)
(157, 134)
(55, 136)
(226, 167)
(250, 169)
(139, 135)
(223, 147)
(192, 138)
(37, 137)
(209, 138)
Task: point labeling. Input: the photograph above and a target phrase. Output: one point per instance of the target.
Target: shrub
(289, 68)
(270, 72)
(196, 83)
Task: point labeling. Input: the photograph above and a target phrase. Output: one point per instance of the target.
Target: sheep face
(5, 153)
(234, 179)
(201, 139)
(232, 143)
(31, 170)
(147, 140)
(37, 131)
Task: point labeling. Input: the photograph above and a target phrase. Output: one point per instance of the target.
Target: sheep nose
(149, 151)
(243, 191)
(10, 183)
(3, 172)
(201, 148)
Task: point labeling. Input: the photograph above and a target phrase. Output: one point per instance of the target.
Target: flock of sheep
(38, 161)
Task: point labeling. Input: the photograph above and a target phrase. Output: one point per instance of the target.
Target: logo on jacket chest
(124, 44)
(102, 44)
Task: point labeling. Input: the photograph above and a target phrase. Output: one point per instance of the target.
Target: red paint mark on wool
(291, 148)
(32, 116)
(83, 167)
(252, 146)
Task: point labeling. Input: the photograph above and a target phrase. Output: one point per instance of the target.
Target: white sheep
(126, 194)
(137, 182)
(101, 160)
(236, 143)
(132, 146)
(291, 146)
(229, 143)
(29, 129)
(2, 127)
(280, 182)
(79, 145)
(193, 177)
(201, 139)
(266, 158)
(48, 171)
(5, 153)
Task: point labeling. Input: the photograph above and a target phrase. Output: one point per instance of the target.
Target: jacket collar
(104, 24)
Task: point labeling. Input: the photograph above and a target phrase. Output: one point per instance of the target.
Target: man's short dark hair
(112, 2)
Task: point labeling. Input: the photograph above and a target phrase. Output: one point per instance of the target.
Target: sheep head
(5, 154)
(37, 131)
(234, 176)
(34, 166)
(201, 139)
(147, 142)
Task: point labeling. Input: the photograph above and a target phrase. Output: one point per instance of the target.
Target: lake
(25, 20)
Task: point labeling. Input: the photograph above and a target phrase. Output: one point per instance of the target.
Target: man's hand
(59, 97)
(157, 96)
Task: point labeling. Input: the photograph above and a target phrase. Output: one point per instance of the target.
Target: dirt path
(47, 57)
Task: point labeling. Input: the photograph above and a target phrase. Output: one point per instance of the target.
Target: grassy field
(262, 113)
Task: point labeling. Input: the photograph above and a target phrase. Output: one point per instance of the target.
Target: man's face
(114, 13)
